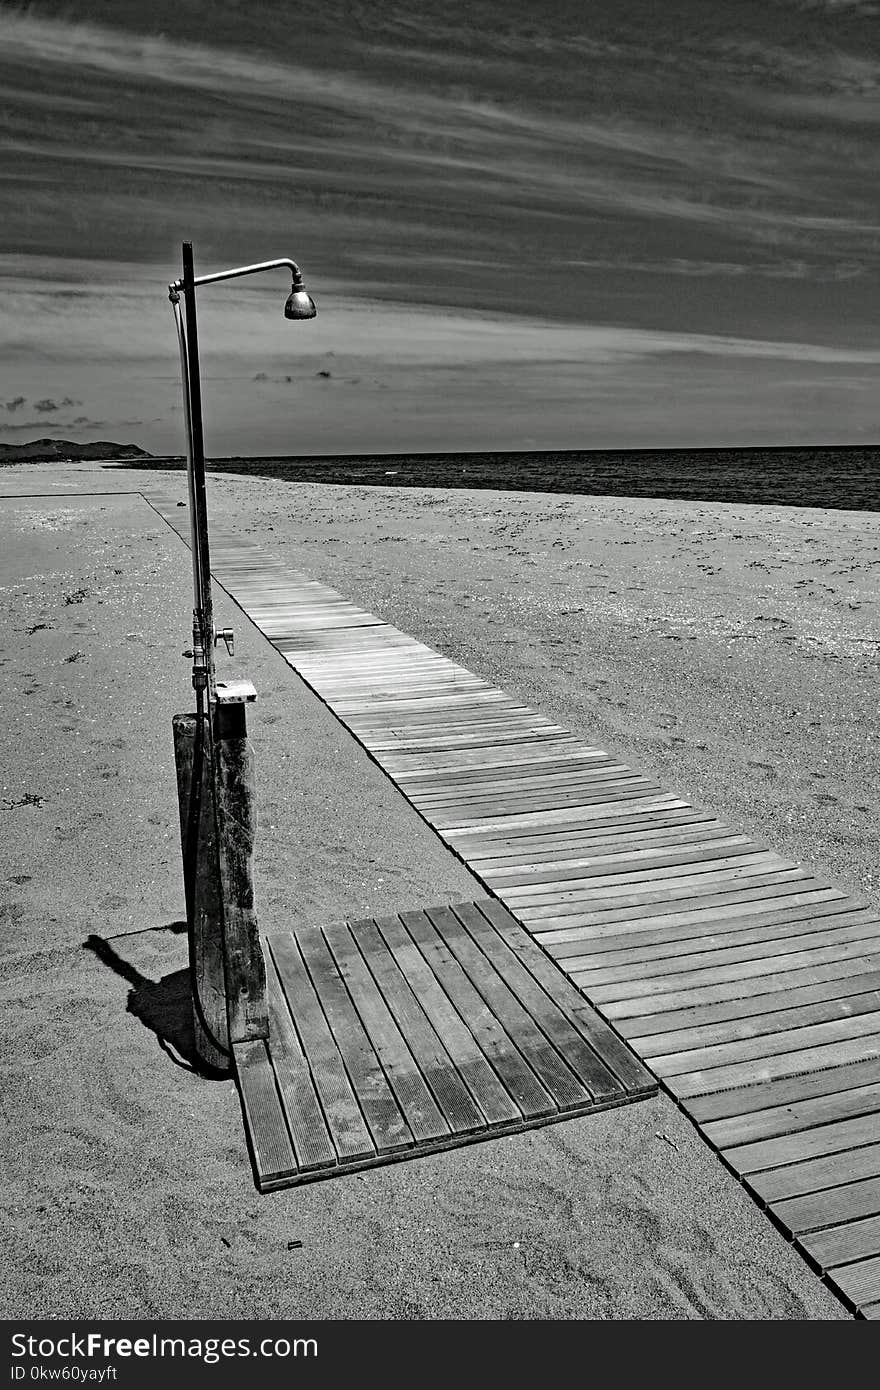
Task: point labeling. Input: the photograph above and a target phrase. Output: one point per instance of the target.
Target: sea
(841, 477)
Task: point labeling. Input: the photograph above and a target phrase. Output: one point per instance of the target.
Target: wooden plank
(619, 830)
(472, 701)
(861, 1281)
(581, 813)
(552, 751)
(715, 843)
(815, 1174)
(694, 957)
(515, 803)
(693, 950)
(416, 1102)
(493, 1100)
(471, 838)
(761, 910)
(489, 784)
(444, 714)
(815, 1142)
(518, 1078)
(586, 1064)
(724, 1078)
(557, 1078)
(559, 804)
(797, 1015)
(376, 1099)
(265, 1122)
(620, 935)
(759, 1013)
(705, 993)
(718, 973)
(620, 906)
(778, 1121)
(349, 1133)
(482, 773)
(311, 1140)
(767, 1045)
(489, 737)
(620, 1058)
(794, 1091)
(558, 791)
(830, 1207)
(837, 1245)
(462, 1114)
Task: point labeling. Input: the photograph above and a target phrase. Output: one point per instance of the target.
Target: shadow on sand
(163, 1006)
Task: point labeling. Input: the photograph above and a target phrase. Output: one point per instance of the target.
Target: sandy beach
(728, 650)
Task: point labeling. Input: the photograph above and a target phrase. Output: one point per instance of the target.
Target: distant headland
(64, 450)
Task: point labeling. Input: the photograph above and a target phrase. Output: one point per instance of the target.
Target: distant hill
(40, 450)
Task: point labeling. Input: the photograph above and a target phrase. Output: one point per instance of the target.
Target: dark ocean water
(846, 478)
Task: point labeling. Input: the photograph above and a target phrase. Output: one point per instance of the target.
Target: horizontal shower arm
(244, 270)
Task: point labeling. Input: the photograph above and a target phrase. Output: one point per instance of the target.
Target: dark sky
(569, 225)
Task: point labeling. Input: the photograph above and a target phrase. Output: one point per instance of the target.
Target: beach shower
(214, 761)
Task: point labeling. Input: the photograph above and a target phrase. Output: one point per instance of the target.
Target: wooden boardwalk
(394, 1037)
(749, 987)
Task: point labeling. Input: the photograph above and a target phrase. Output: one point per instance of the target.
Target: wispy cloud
(616, 195)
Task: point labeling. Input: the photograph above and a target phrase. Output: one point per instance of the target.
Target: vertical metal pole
(198, 464)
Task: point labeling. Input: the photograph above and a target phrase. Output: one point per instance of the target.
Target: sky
(584, 224)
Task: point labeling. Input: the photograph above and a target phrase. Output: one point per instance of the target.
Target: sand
(727, 650)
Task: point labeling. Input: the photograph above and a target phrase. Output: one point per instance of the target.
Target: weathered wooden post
(217, 826)
(235, 811)
(198, 837)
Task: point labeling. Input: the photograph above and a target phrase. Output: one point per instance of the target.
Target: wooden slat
(736, 971)
(837, 1245)
(861, 1281)
(692, 952)
(705, 993)
(723, 1078)
(495, 1103)
(815, 1142)
(762, 1013)
(830, 1207)
(349, 1133)
(756, 1025)
(311, 1140)
(583, 1061)
(273, 1151)
(462, 1114)
(699, 848)
(557, 1079)
(816, 1174)
(814, 1114)
(670, 938)
(790, 1091)
(411, 1091)
(384, 1119)
(518, 1078)
(534, 842)
(618, 907)
(615, 1054)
